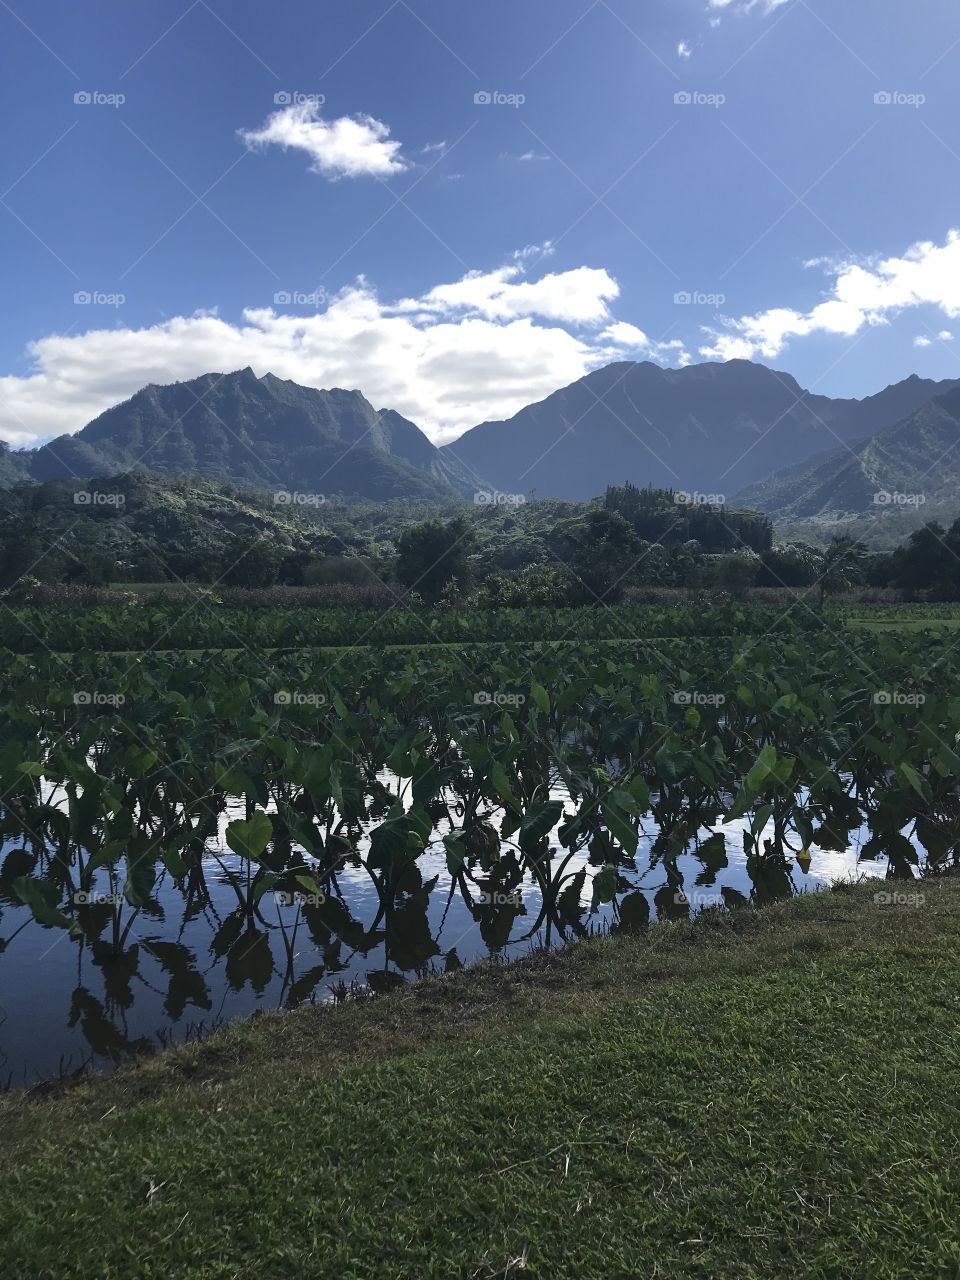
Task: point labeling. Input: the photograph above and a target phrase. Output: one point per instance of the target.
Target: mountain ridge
(265, 431)
(716, 426)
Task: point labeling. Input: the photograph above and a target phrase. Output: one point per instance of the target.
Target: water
(190, 962)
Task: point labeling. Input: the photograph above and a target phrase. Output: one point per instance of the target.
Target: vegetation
(743, 1096)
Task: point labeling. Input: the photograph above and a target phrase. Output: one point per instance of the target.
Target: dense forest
(142, 528)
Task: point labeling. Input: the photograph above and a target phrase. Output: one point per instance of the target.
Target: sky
(458, 208)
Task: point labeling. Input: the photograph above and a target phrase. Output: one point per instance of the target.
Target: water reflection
(199, 950)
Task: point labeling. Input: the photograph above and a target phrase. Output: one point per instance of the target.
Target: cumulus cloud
(479, 348)
(683, 49)
(580, 296)
(862, 294)
(350, 147)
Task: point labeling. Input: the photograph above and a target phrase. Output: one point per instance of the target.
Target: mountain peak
(713, 427)
(264, 432)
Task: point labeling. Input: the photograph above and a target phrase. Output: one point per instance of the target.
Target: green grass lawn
(757, 1094)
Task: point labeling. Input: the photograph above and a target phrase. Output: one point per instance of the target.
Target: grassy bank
(756, 1094)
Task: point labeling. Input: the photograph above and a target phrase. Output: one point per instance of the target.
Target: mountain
(896, 479)
(264, 432)
(711, 428)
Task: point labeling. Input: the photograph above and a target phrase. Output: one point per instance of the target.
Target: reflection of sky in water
(48, 981)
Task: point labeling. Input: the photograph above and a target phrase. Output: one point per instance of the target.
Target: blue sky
(314, 188)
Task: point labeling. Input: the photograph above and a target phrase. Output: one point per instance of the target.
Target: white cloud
(623, 338)
(861, 295)
(350, 147)
(923, 342)
(525, 158)
(479, 348)
(574, 297)
(744, 6)
(683, 49)
(945, 335)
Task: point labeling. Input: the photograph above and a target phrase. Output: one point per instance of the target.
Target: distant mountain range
(736, 428)
(710, 427)
(914, 464)
(264, 432)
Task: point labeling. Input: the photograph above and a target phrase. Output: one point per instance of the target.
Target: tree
(600, 549)
(842, 566)
(928, 563)
(789, 564)
(251, 561)
(737, 572)
(433, 553)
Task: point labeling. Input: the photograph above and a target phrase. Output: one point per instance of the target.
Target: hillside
(882, 486)
(266, 432)
(712, 427)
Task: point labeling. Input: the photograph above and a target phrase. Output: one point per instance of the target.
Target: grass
(756, 1094)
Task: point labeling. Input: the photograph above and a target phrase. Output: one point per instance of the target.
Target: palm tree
(842, 566)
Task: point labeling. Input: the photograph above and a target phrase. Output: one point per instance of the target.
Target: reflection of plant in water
(539, 800)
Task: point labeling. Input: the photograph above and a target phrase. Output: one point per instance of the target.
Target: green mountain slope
(711, 428)
(887, 484)
(266, 432)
